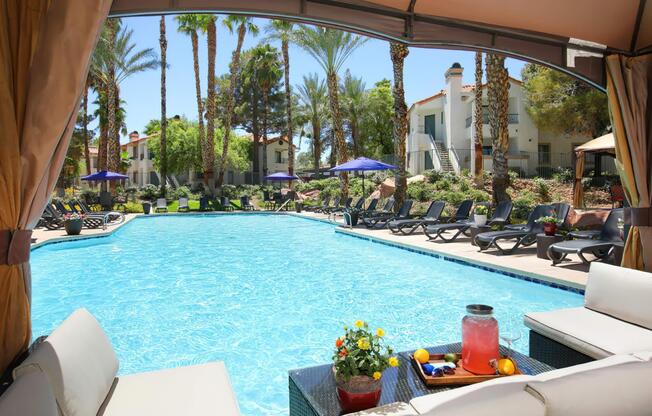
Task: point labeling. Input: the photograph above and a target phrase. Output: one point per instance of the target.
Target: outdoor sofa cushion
(620, 292)
(29, 395)
(195, 390)
(392, 409)
(589, 332)
(79, 362)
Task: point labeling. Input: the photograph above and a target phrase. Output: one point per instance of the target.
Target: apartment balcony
(511, 119)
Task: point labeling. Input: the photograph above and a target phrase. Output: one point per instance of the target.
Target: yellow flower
(377, 375)
(363, 344)
(393, 361)
(359, 323)
(380, 332)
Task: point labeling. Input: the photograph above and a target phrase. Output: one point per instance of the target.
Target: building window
(486, 150)
(134, 152)
(278, 157)
(544, 154)
(429, 124)
(442, 118)
(231, 178)
(135, 175)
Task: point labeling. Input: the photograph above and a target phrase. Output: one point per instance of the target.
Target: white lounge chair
(161, 205)
(81, 368)
(183, 205)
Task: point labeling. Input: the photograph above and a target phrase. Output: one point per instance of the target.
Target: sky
(423, 75)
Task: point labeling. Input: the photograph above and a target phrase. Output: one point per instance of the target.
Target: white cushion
(503, 396)
(622, 390)
(195, 390)
(610, 361)
(592, 333)
(620, 292)
(79, 362)
(29, 395)
(392, 409)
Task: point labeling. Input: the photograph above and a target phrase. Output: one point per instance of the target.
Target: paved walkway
(523, 262)
(43, 235)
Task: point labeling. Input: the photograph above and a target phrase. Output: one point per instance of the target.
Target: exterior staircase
(444, 157)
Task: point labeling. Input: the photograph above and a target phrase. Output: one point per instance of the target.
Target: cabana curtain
(629, 81)
(578, 190)
(45, 49)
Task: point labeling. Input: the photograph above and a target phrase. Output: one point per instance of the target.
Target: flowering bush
(359, 352)
(73, 217)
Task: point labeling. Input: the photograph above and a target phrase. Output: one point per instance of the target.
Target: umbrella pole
(363, 192)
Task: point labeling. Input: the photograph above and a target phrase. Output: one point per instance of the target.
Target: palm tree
(164, 121)
(398, 52)
(283, 30)
(113, 141)
(313, 106)
(87, 152)
(498, 92)
(478, 114)
(190, 24)
(208, 146)
(331, 48)
(353, 90)
(244, 25)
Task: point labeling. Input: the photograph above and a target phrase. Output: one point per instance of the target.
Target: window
(429, 124)
(135, 175)
(442, 118)
(544, 154)
(134, 152)
(278, 156)
(231, 179)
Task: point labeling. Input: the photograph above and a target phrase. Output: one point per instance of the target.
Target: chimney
(454, 76)
(133, 136)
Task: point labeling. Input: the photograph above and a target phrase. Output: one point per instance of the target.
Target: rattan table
(312, 389)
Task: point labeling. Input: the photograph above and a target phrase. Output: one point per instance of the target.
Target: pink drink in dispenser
(479, 339)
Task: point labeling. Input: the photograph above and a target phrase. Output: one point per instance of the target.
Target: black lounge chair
(318, 207)
(336, 203)
(58, 211)
(584, 234)
(381, 221)
(408, 226)
(245, 204)
(357, 207)
(110, 217)
(371, 207)
(225, 204)
(524, 237)
(499, 217)
(369, 213)
(336, 207)
(600, 247)
(561, 212)
(461, 214)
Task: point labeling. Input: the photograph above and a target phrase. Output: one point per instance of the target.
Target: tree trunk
(164, 121)
(498, 91)
(208, 147)
(398, 52)
(288, 106)
(342, 151)
(316, 145)
(230, 102)
(200, 105)
(354, 137)
(478, 121)
(332, 159)
(265, 109)
(87, 152)
(112, 131)
(255, 130)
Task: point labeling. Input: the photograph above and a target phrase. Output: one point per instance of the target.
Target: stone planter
(480, 220)
(358, 393)
(147, 206)
(73, 227)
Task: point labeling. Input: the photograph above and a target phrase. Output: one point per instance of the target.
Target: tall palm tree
(113, 141)
(353, 90)
(208, 146)
(331, 48)
(498, 92)
(190, 24)
(478, 120)
(283, 30)
(398, 52)
(244, 25)
(87, 152)
(313, 106)
(164, 121)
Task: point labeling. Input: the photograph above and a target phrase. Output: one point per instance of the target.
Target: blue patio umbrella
(362, 164)
(104, 175)
(281, 176)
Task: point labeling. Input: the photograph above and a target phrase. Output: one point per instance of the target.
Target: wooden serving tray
(460, 378)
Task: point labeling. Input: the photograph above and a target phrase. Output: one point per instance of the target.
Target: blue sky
(424, 68)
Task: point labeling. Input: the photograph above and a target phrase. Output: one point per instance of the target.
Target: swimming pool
(264, 293)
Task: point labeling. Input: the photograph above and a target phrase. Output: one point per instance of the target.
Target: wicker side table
(545, 241)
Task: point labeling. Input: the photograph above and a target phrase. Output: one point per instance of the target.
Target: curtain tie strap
(15, 246)
(639, 217)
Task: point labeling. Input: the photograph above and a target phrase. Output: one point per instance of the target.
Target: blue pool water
(263, 293)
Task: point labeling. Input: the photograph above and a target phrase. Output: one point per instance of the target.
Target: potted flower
(480, 215)
(73, 223)
(549, 224)
(358, 363)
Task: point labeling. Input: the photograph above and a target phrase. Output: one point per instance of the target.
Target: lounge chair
(161, 205)
(370, 208)
(524, 237)
(110, 217)
(600, 247)
(225, 204)
(357, 206)
(106, 201)
(381, 221)
(183, 205)
(499, 217)
(268, 200)
(336, 207)
(370, 212)
(74, 371)
(431, 216)
(336, 203)
(561, 212)
(461, 214)
(91, 221)
(245, 203)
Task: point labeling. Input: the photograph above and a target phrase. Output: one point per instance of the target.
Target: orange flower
(343, 352)
(339, 342)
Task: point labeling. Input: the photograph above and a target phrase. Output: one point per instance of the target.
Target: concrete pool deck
(524, 262)
(43, 235)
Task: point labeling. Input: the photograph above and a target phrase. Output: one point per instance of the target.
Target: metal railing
(511, 119)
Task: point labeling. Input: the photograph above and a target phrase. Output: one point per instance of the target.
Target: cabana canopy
(602, 144)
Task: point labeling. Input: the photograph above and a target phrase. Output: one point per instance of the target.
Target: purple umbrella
(281, 176)
(362, 164)
(104, 175)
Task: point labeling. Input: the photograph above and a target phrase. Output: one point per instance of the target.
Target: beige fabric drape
(578, 191)
(45, 48)
(629, 82)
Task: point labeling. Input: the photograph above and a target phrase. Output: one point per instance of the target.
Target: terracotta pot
(74, 227)
(550, 228)
(358, 393)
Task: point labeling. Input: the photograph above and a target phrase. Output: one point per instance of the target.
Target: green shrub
(513, 175)
(419, 191)
(523, 204)
(543, 189)
(355, 186)
(442, 185)
(149, 192)
(433, 175)
(563, 175)
(89, 196)
(134, 208)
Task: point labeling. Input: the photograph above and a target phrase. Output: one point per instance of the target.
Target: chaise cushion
(79, 362)
(195, 390)
(499, 397)
(621, 390)
(29, 395)
(592, 333)
(392, 409)
(620, 292)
